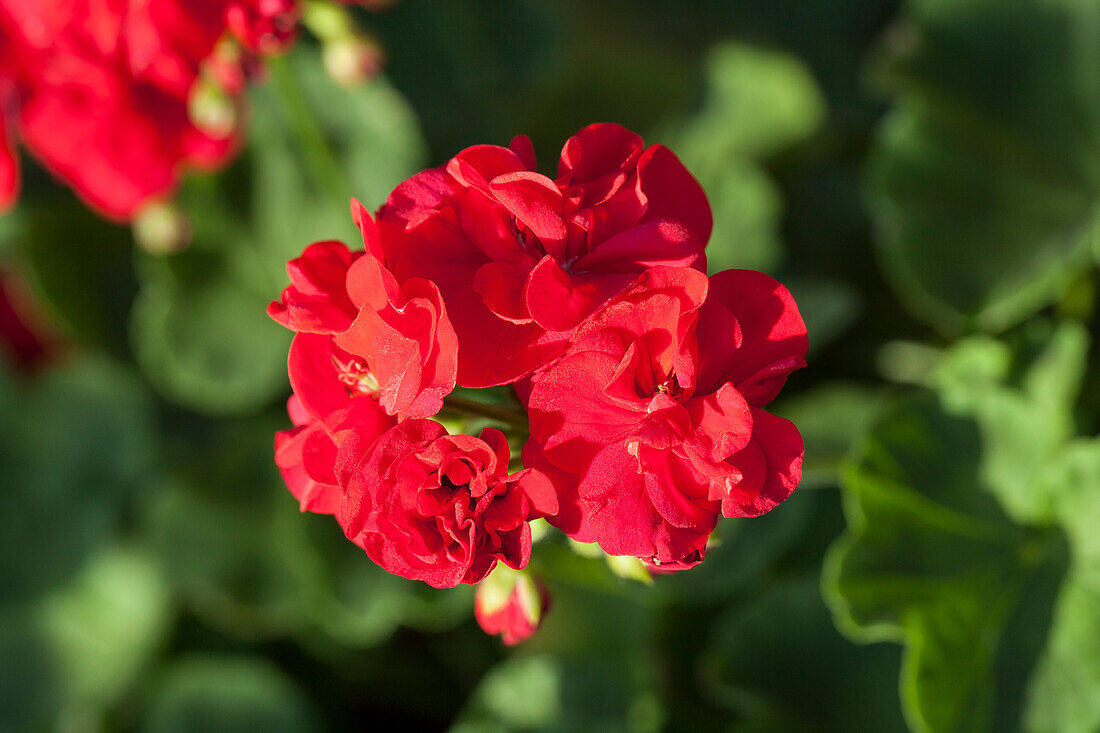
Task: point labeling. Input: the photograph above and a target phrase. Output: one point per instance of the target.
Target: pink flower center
(671, 387)
(357, 377)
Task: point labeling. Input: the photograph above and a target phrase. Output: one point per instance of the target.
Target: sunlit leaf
(105, 627)
(932, 560)
(987, 193)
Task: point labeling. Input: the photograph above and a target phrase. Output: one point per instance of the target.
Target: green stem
(324, 167)
(464, 406)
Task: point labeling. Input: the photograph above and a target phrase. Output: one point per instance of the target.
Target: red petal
(672, 193)
(598, 150)
(372, 243)
(522, 146)
(501, 287)
(316, 300)
(368, 475)
(616, 501)
(571, 417)
(313, 375)
(9, 170)
(536, 202)
(646, 245)
(477, 165)
(369, 284)
(751, 334)
(559, 301)
(723, 423)
(771, 464)
(415, 201)
(305, 459)
(568, 518)
(539, 491)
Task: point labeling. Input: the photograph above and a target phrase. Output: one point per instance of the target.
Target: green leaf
(74, 445)
(986, 193)
(1023, 403)
(548, 693)
(756, 664)
(829, 308)
(758, 102)
(523, 693)
(931, 559)
(216, 693)
(106, 626)
(249, 563)
(1065, 692)
(360, 605)
(31, 684)
(203, 338)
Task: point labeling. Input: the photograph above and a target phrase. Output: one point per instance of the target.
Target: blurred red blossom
(119, 98)
(26, 336)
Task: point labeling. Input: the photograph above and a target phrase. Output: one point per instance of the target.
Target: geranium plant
(633, 385)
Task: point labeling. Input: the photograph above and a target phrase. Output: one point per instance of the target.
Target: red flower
(103, 93)
(100, 93)
(440, 508)
(266, 27)
(650, 425)
(511, 604)
(522, 259)
(359, 333)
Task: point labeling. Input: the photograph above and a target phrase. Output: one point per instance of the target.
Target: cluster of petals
(644, 380)
(371, 360)
(522, 259)
(100, 92)
(652, 426)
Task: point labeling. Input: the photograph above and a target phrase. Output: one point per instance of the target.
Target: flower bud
(211, 109)
(160, 229)
(266, 27)
(511, 603)
(352, 60)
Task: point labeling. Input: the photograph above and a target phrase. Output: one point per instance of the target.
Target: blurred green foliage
(925, 177)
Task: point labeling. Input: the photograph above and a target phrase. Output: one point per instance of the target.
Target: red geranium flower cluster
(643, 381)
(105, 93)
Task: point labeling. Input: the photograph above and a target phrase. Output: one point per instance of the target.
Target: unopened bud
(352, 60)
(327, 21)
(211, 109)
(511, 603)
(160, 229)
